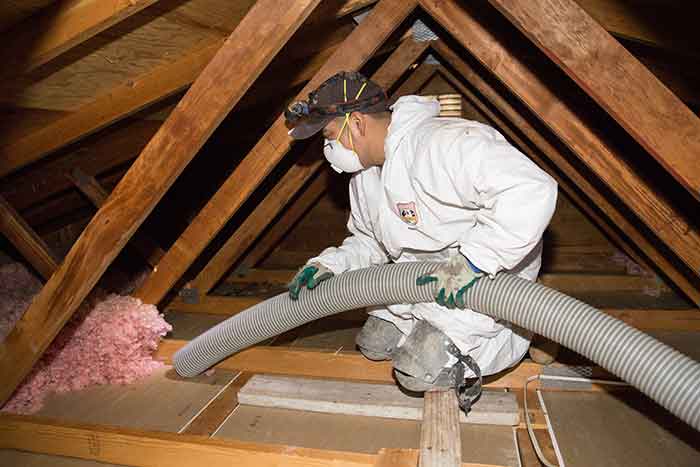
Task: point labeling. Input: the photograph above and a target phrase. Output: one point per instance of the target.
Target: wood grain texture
(366, 399)
(91, 188)
(347, 366)
(218, 410)
(625, 88)
(352, 54)
(440, 441)
(577, 180)
(251, 47)
(656, 212)
(118, 103)
(62, 27)
(27, 242)
(154, 449)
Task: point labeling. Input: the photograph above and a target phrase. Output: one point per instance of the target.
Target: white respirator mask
(341, 158)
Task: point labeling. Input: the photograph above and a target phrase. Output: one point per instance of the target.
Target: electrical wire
(528, 422)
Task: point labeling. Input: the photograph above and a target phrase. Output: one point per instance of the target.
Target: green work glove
(453, 279)
(310, 276)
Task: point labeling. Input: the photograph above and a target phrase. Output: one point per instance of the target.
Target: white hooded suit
(449, 185)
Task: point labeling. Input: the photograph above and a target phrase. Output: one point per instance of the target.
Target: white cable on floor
(528, 422)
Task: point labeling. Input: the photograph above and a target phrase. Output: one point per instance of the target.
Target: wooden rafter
(249, 49)
(625, 88)
(655, 211)
(59, 28)
(543, 146)
(21, 235)
(288, 219)
(353, 53)
(399, 61)
(91, 188)
(118, 103)
(254, 224)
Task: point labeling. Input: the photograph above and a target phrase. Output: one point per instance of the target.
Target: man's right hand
(310, 276)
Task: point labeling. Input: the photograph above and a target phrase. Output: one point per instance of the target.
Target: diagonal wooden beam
(397, 63)
(352, 54)
(91, 188)
(516, 119)
(21, 235)
(254, 224)
(132, 96)
(59, 28)
(625, 88)
(655, 211)
(249, 49)
(118, 103)
(288, 219)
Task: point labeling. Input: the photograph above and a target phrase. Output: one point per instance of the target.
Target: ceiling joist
(59, 28)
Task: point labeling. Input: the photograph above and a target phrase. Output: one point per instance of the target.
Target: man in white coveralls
(426, 188)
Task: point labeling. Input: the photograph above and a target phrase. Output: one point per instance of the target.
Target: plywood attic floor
(591, 428)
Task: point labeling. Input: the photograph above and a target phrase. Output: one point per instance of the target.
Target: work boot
(378, 339)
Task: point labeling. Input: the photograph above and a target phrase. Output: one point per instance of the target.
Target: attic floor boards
(591, 428)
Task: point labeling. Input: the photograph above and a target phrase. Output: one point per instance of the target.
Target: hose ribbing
(662, 373)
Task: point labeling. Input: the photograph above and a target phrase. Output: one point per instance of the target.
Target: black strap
(468, 390)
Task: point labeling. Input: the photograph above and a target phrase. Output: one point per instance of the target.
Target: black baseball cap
(328, 101)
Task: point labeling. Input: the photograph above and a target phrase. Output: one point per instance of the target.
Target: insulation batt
(109, 340)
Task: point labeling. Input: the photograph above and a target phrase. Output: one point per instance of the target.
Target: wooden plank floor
(483, 444)
(619, 429)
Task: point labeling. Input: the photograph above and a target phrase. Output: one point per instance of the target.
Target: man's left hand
(453, 279)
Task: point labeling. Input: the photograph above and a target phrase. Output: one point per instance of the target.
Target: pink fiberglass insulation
(110, 339)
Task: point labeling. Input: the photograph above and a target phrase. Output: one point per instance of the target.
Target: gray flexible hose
(662, 373)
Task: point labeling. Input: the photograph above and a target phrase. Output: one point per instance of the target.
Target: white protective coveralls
(449, 185)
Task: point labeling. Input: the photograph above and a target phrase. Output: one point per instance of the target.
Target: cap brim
(308, 128)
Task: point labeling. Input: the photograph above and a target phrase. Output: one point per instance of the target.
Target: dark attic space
(431, 233)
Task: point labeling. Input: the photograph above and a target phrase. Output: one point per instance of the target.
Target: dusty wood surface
(251, 47)
(619, 429)
(353, 53)
(371, 400)
(119, 102)
(483, 445)
(218, 410)
(62, 27)
(347, 366)
(625, 88)
(27, 242)
(440, 442)
(655, 211)
(151, 449)
(561, 162)
(162, 401)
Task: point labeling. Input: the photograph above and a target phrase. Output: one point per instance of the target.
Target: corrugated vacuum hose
(662, 373)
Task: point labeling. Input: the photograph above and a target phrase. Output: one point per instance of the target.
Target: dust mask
(340, 158)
